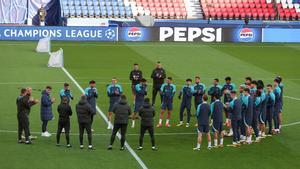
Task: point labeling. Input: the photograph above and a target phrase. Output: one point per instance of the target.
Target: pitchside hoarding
(242, 34)
(281, 35)
(59, 33)
(190, 34)
(137, 34)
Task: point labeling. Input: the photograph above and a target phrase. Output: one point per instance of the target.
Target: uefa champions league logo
(110, 34)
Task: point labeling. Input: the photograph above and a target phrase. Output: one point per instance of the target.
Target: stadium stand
(182, 9)
(239, 9)
(288, 9)
(164, 9)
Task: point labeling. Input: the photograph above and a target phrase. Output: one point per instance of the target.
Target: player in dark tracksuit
(277, 106)
(203, 114)
(158, 75)
(217, 118)
(262, 113)
(242, 124)
(65, 111)
(248, 113)
(141, 92)
(92, 94)
(135, 76)
(235, 115)
(256, 111)
(23, 109)
(226, 89)
(186, 93)
(167, 91)
(215, 90)
(199, 91)
(114, 92)
(270, 98)
(281, 86)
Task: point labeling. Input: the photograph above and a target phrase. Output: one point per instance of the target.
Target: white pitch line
(293, 98)
(137, 158)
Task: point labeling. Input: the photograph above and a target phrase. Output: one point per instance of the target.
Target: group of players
(257, 106)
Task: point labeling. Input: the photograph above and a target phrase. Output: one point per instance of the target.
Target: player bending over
(203, 113)
(167, 91)
(186, 103)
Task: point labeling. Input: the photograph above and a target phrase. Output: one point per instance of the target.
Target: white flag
(44, 45)
(56, 59)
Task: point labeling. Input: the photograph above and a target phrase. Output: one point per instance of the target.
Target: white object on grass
(44, 45)
(56, 59)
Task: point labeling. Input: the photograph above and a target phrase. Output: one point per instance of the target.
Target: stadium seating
(239, 9)
(288, 9)
(166, 9)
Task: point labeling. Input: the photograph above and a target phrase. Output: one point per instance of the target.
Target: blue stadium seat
(122, 13)
(96, 2)
(72, 7)
(104, 13)
(97, 7)
(72, 12)
(70, 2)
(122, 8)
(90, 7)
(65, 7)
(109, 13)
(102, 3)
(66, 13)
(108, 3)
(77, 2)
(84, 7)
(89, 2)
(114, 3)
(77, 8)
(97, 12)
(83, 2)
(85, 12)
(78, 12)
(64, 2)
(116, 13)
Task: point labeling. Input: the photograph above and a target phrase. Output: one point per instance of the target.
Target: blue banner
(242, 35)
(136, 34)
(281, 35)
(69, 33)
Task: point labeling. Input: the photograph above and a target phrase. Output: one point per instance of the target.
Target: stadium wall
(168, 34)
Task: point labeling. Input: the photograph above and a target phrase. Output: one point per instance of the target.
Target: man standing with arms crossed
(158, 75)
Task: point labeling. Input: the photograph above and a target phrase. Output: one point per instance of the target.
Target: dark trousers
(23, 125)
(66, 125)
(235, 128)
(117, 127)
(87, 127)
(151, 133)
(185, 105)
(155, 90)
(254, 123)
(44, 125)
(276, 119)
(269, 120)
(92, 120)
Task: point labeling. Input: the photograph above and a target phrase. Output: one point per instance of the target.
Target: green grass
(22, 67)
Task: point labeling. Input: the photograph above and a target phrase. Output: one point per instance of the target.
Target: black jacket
(135, 76)
(158, 76)
(147, 114)
(84, 111)
(23, 106)
(122, 112)
(64, 111)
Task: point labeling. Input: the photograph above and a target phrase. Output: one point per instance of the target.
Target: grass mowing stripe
(137, 158)
(293, 98)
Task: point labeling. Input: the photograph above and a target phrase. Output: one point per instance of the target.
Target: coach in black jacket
(147, 114)
(65, 111)
(122, 112)
(84, 112)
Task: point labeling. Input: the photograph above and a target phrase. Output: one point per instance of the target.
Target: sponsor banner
(281, 35)
(190, 34)
(242, 35)
(59, 33)
(137, 34)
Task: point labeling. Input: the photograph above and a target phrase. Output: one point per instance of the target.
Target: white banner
(13, 11)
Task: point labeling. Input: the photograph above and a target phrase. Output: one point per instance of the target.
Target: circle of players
(248, 109)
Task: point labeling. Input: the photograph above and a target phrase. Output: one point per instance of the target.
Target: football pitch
(21, 66)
